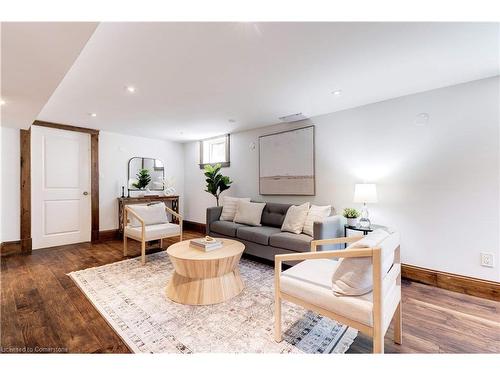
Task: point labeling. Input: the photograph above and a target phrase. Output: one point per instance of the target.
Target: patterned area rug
(132, 299)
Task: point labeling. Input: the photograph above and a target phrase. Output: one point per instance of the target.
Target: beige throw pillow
(249, 213)
(354, 276)
(153, 214)
(295, 218)
(316, 213)
(229, 205)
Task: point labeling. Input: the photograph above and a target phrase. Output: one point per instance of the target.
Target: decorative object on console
(292, 173)
(216, 182)
(123, 191)
(168, 186)
(351, 214)
(365, 193)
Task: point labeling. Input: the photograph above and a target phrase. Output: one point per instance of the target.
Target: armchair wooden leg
(125, 246)
(161, 243)
(398, 331)
(277, 318)
(143, 252)
(378, 343)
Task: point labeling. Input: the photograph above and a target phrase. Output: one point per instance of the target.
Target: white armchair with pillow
(149, 223)
(362, 289)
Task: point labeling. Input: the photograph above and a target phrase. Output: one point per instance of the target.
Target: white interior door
(60, 187)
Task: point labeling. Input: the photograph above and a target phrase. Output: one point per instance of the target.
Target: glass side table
(361, 229)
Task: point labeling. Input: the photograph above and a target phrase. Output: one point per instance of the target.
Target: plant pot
(352, 222)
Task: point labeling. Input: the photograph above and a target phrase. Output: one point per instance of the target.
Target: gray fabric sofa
(268, 240)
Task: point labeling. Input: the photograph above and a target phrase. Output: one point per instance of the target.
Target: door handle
(85, 193)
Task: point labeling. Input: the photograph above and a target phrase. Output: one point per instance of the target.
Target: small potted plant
(143, 180)
(351, 214)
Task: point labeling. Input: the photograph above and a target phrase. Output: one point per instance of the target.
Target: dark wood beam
(25, 151)
(65, 127)
(94, 187)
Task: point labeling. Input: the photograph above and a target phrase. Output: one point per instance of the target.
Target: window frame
(224, 164)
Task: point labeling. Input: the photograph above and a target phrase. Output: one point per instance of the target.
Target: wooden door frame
(25, 144)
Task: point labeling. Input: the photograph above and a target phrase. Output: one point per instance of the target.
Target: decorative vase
(352, 222)
(169, 191)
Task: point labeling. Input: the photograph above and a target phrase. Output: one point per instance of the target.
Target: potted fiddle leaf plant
(351, 214)
(216, 181)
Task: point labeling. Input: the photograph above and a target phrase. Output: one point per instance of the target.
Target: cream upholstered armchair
(316, 285)
(145, 223)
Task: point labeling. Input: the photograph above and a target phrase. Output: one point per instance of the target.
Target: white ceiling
(34, 59)
(191, 78)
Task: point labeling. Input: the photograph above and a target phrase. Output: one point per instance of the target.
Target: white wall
(115, 150)
(438, 184)
(10, 181)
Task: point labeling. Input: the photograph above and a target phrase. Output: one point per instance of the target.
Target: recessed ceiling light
(2, 102)
(337, 92)
(130, 89)
(93, 114)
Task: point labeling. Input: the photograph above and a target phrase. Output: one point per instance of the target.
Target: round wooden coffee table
(205, 278)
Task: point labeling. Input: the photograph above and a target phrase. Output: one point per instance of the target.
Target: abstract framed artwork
(286, 162)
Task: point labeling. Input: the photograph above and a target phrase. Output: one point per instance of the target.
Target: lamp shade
(365, 193)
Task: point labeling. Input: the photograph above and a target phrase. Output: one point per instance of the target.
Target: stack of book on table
(203, 244)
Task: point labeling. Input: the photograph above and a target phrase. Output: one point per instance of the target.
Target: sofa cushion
(229, 205)
(295, 218)
(273, 214)
(316, 213)
(290, 241)
(256, 234)
(227, 228)
(249, 213)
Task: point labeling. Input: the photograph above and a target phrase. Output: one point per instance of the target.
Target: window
(215, 151)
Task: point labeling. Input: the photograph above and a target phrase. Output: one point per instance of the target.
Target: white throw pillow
(316, 213)
(152, 214)
(295, 218)
(354, 276)
(229, 205)
(249, 213)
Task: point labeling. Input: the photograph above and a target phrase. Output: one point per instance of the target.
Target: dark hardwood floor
(43, 310)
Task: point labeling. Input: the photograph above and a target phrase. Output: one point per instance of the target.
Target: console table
(122, 202)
